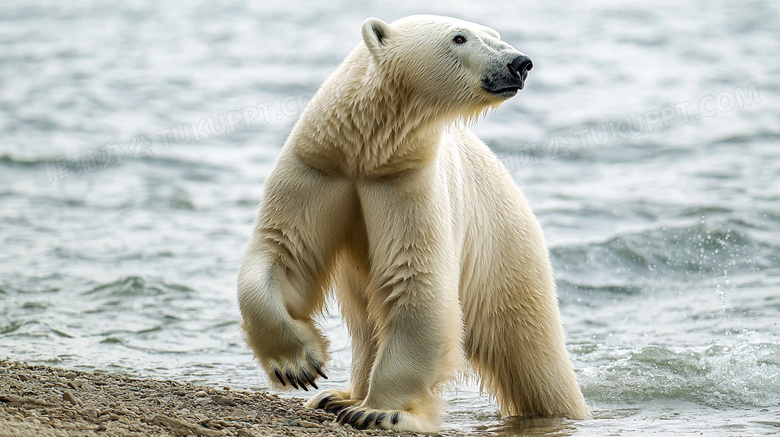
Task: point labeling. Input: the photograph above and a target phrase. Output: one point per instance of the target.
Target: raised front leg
(413, 296)
(299, 230)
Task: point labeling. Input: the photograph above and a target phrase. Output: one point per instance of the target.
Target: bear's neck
(358, 125)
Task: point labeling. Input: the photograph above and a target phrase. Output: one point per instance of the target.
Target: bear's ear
(375, 32)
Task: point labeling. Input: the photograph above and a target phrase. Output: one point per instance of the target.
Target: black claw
(302, 383)
(279, 377)
(395, 418)
(324, 402)
(380, 418)
(310, 379)
(341, 416)
(290, 378)
(318, 368)
(348, 417)
(356, 417)
(337, 408)
(369, 419)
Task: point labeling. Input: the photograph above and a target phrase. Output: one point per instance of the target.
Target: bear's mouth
(503, 88)
(507, 90)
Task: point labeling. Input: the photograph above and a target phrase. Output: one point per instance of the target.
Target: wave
(624, 289)
(71, 162)
(747, 373)
(20, 162)
(630, 261)
(761, 135)
(137, 286)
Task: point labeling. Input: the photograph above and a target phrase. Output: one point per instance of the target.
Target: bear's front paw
(298, 373)
(299, 376)
(298, 361)
(396, 420)
(332, 400)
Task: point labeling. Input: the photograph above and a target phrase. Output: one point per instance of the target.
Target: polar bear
(382, 195)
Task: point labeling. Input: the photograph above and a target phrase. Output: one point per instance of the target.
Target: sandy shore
(46, 401)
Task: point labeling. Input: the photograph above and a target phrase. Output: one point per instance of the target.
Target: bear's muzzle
(509, 84)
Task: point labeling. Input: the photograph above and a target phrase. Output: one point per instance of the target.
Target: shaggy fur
(382, 194)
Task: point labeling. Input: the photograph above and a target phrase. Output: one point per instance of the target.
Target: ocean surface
(135, 138)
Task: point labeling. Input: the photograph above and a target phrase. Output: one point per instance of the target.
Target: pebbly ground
(44, 401)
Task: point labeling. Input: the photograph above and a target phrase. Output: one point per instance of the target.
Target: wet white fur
(382, 194)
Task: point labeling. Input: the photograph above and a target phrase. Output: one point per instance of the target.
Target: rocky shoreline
(43, 401)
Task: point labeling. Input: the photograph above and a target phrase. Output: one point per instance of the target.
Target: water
(136, 137)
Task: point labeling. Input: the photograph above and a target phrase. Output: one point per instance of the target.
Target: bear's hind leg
(515, 342)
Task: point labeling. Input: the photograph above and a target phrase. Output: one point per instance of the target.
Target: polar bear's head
(455, 64)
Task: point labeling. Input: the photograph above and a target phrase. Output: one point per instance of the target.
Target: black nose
(520, 67)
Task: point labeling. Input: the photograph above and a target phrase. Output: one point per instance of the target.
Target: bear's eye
(459, 39)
